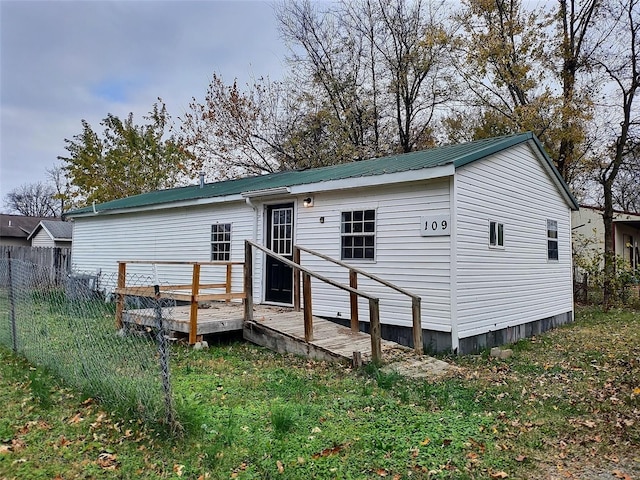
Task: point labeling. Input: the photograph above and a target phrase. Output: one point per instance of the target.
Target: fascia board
(164, 206)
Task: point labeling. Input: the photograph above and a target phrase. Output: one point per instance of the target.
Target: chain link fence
(66, 323)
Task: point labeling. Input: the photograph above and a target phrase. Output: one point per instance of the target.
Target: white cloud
(66, 61)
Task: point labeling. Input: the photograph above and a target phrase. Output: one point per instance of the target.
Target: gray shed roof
(59, 231)
(456, 155)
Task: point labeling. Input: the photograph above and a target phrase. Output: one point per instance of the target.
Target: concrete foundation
(437, 342)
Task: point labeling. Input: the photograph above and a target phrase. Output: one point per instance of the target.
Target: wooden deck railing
(189, 293)
(353, 283)
(374, 302)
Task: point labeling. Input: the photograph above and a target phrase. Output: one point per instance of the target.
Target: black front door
(279, 277)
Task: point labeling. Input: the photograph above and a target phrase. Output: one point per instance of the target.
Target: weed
(283, 419)
(6, 431)
(41, 384)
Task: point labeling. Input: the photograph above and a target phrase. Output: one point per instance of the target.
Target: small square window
(496, 234)
(221, 242)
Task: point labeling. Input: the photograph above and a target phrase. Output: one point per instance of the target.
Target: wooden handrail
(353, 271)
(374, 302)
(177, 262)
(288, 262)
(358, 270)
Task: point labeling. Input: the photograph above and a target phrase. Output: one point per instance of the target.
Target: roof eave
(555, 174)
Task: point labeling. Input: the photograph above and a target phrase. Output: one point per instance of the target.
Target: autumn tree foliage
(527, 69)
(127, 159)
(235, 132)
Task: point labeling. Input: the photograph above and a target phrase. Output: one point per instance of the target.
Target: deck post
(417, 325)
(122, 282)
(193, 317)
(248, 282)
(228, 282)
(374, 330)
(308, 311)
(353, 300)
(296, 280)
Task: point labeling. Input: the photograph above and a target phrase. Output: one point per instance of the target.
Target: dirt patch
(407, 363)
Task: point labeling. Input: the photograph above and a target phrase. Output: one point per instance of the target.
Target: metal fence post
(12, 307)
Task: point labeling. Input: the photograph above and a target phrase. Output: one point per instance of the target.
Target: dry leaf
(5, 448)
(382, 472)
(177, 469)
(280, 466)
(426, 441)
(107, 461)
(75, 419)
(520, 458)
(500, 475)
(621, 475)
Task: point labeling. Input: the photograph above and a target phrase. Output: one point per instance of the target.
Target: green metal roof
(458, 155)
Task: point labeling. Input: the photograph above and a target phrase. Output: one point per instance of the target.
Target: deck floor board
(283, 325)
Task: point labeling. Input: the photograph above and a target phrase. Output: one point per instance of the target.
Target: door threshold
(276, 304)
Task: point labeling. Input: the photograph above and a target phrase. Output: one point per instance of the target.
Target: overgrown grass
(76, 340)
(567, 402)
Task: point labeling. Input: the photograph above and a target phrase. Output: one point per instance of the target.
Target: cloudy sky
(64, 61)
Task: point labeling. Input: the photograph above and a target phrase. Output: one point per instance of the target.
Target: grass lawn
(565, 405)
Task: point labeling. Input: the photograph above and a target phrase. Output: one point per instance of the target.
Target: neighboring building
(15, 229)
(588, 232)
(481, 231)
(52, 233)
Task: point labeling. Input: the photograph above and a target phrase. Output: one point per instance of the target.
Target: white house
(588, 232)
(51, 233)
(480, 231)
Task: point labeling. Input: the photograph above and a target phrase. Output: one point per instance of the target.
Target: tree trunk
(609, 253)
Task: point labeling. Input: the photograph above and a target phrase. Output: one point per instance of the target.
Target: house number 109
(434, 225)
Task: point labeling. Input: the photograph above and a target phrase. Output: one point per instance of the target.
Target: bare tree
(33, 200)
(575, 52)
(379, 67)
(62, 188)
(626, 192)
(619, 60)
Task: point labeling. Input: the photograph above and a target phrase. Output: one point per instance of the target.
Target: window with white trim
(221, 242)
(358, 235)
(552, 240)
(496, 234)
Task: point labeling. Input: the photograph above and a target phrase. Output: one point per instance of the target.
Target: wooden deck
(219, 317)
(282, 330)
(277, 328)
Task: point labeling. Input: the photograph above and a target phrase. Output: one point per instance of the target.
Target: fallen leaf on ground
(621, 475)
(75, 419)
(177, 469)
(107, 461)
(280, 466)
(500, 475)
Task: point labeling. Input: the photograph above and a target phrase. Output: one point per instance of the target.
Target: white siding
(415, 263)
(498, 288)
(42, 239)
(182, 234)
